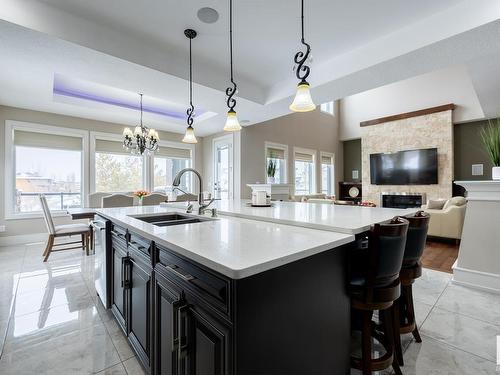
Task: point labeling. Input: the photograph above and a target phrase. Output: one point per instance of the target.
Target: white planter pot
(270, 180)
(495, 173)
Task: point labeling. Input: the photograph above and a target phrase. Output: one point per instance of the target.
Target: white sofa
(448, 221)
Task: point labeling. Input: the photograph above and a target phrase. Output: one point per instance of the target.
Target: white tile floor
(52, 323)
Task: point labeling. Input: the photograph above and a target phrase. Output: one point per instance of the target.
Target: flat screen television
(410, 167)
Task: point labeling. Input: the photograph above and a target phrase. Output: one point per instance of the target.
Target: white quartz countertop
(337, 218)
(235, 247)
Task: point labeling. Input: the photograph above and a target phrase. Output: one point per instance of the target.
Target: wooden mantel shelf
(402, 116)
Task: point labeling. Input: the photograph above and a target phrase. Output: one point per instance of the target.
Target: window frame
(332, 177)
(147, 161)
(92, 154)
(313, 153)
(150, 163)
(10, 164)
(326, 111)
(279, 146)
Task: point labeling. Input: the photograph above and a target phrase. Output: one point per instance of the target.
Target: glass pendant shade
(232, 123)
(303, 101)
(189, 137)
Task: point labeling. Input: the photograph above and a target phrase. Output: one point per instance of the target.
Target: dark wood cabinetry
(118, 275)
(182, 318)
(139, 307)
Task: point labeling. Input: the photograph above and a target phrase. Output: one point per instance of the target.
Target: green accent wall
(469, 149)
(352, 159)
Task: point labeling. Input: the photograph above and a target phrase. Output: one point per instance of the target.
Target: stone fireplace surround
(428, 128)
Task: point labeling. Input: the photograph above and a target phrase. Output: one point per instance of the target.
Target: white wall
(452, 85)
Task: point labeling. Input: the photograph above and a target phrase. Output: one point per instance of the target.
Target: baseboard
(23, 239)
(489, 282)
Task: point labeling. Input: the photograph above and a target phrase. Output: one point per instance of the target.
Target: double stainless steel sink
(165, 220)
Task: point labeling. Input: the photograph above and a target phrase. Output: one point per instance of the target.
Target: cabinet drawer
(214, 289)
(119, 236)
(139, 244)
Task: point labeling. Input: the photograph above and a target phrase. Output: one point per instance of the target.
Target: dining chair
(67, 230)
(117, 200)
(154, 199)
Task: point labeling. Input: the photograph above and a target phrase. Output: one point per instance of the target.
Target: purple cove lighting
(59, 89)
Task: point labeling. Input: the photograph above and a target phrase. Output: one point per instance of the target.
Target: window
(278, 155)
(168, 161)
(327, 174)
(43, 160)
(328, 107)
(116, 170)
(304, 172)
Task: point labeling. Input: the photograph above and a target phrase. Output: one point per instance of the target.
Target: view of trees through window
(165, 170)
(55, 173)
(326, 179)
(118, 172)
(304, 177)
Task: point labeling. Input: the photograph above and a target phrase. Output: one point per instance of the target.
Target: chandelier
(141, 140)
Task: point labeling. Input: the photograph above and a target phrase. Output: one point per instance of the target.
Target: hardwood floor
(440, 255)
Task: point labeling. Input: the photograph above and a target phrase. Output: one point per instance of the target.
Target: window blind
(116, 147)
(43, 140)
(275, 153)
(299, 156)
(173, 152)
(326, 160)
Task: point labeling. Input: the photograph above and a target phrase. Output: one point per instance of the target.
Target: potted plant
(140, 194)
(271, 171)
(491, 140)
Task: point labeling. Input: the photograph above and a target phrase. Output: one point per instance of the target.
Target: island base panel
(295, 319)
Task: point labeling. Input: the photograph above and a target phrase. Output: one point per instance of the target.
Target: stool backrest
(416, 238)
(387, 246)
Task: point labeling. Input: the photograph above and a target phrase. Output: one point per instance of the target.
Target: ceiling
(332, 27)
(140, 47)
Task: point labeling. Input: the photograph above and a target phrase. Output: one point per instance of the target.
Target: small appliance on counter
(102, 228)
(260, 198)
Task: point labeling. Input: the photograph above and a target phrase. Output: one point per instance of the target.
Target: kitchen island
(232, 294)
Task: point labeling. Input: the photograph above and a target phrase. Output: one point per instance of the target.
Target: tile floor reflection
(52, 323)
(50, 319)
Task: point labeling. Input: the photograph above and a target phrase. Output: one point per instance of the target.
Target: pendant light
(189, 137)
(232, 123)
(303, 101)
(143, 139)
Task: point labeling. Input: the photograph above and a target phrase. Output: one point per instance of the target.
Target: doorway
(223, 167)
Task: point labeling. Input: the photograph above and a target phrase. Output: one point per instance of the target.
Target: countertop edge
(236, 274)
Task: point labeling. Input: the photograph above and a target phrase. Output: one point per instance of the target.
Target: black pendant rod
(231, 91)
(302, 71)
(191, 34)
(141, 110)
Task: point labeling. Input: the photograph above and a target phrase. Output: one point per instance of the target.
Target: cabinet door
(167, 301)
(139, 310)
(207, 346)
(119, 287)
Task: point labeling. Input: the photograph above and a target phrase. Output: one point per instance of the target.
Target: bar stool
(375, 286)
(410, 271)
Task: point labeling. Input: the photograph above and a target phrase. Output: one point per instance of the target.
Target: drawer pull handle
(185, 277)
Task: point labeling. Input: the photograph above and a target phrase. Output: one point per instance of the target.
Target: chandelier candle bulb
(127, 132)
(137, 131)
